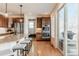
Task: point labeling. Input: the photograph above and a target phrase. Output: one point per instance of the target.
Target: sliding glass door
(72, 29)
(61, 29)
(68, 29)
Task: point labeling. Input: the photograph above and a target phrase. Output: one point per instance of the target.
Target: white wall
(52, 26)
(53, 31)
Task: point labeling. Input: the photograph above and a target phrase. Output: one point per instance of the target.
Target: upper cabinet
(46, 20)
(42, 19)
(39, 22)
(3, 21)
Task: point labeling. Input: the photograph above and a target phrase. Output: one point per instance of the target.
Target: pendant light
(6, 14)
(1, 13)
(21, 12)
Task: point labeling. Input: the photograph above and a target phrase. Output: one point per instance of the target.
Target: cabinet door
(39, 22)
(46, 20)
(0, 23)
(38, 36)
(6, 22)
(3, 21)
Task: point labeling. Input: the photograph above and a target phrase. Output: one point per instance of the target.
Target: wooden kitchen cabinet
(38, 36)
(39, 22)
(0, 22)
(3, 21)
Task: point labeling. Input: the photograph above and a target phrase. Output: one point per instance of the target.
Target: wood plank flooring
(43, 48)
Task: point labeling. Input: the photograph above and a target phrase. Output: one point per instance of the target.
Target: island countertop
(10, 38)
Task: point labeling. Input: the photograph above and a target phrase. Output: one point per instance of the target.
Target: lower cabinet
(38, 36)
(3, 21)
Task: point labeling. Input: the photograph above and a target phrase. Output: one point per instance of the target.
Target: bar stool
(27, 39)
(28, 42)
(19, 48)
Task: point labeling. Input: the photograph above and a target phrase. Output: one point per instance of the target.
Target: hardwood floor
(43, 48)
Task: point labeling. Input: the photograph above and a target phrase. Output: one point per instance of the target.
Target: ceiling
(28, 8)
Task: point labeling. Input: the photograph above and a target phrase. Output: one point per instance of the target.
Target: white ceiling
(28, 8)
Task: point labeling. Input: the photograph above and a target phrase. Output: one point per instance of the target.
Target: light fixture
(6, 14)
(21, 20)
(1, 13)
(21, 12)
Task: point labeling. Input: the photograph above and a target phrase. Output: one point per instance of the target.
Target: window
(31, 24)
